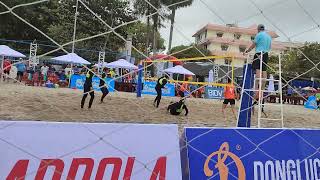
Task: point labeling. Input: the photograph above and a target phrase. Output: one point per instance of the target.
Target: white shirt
(44, 70)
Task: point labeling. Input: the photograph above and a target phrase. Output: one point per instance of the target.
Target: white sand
(19, 102)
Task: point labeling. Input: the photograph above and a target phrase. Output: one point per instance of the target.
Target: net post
(139, 83)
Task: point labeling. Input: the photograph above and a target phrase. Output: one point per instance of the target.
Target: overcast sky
(285, 17)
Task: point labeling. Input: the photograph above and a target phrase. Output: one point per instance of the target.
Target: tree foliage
(56, 19)
(295, 62)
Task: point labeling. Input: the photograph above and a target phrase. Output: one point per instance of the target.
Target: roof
(252, 30)
(203, 70)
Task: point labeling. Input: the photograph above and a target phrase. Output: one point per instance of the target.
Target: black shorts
(19, 73)
(86, 89)
(256, 61)
(231, 101)
(6, 71)
(104, 90)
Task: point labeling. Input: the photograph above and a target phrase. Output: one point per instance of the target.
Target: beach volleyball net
(261, 11)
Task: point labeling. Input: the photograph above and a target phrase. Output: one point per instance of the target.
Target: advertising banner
(253, 154)
(214, 93)
(148, 88)
(77, 82)
(85, 151)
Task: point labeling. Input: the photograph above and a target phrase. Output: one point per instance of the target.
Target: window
(224, 47)
(205, 34)
(242, 48)
(252, 38)
(237, 36)
(219, 34)
(227, 61)
(206, 46)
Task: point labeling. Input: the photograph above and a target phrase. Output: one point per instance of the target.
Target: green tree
(180, 4)
(140, 32)
(56, 18)
(295, 62)
(180, 52)
(143, 8)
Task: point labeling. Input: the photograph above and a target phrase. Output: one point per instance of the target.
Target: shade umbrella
(121, 63)
(179, 70)
(71, 58)
(210, 79)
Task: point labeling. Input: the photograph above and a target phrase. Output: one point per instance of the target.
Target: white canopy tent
(7, 51)
(121, 63)
(101, 65)
(72, 58)
(178, 70)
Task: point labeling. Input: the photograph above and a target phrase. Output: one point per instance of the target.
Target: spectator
(67, 71)
(6, 69)
(21, 68)
(44, 72)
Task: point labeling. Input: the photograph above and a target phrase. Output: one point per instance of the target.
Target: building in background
(232, 40)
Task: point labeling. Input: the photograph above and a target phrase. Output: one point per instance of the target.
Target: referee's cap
(261, 27)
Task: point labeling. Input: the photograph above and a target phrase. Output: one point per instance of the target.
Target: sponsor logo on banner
(222, 154)
(257, 154)
(148, 88)
(45, 150)
(20, 169)
(214, 93)
(77, 82)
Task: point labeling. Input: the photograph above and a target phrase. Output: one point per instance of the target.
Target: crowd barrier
(77, 82)
(148, 88)
(213, 93)
(43, 150)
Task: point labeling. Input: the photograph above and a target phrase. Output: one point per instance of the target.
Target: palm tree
(173, 14)
(143, 9)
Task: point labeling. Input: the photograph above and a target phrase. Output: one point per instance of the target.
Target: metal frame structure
(261, 97)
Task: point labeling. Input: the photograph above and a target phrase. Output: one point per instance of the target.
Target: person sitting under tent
(111, 73)
(103, 87)
(88, 89)
(177, 107)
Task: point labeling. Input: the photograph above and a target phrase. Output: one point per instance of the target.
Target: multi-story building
(232, 40)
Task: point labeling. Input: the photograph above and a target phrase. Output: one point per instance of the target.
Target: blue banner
(252, 154)
(77, 82)
(213, 93)
(148, 88)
